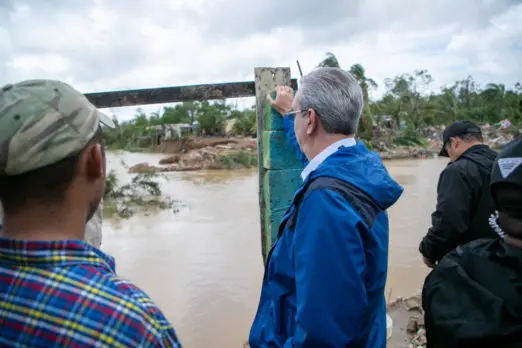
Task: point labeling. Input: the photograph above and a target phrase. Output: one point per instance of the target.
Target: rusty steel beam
(174, 94)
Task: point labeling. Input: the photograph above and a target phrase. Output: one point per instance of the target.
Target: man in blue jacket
(326, 273)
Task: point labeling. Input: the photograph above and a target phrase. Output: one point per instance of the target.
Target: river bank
(218, 153)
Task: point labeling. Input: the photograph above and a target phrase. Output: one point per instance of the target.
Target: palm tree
(330, 61)
(447, 106)
(366, 83)
(495, 97)
(358, 71)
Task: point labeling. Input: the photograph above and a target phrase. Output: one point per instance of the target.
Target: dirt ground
(408, 323)
(197, 143)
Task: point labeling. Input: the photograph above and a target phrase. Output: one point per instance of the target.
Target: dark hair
(470, 137)
(47, 184)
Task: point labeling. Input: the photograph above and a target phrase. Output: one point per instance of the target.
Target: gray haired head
(336, 97)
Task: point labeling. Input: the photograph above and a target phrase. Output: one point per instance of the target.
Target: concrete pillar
(279, 166)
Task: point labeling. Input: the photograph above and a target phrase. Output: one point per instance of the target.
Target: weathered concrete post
(279, 166)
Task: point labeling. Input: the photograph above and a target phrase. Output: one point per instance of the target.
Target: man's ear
(311, 122)
(455, 141)
(92, 162)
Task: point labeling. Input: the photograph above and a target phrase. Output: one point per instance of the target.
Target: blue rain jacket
(326, 273)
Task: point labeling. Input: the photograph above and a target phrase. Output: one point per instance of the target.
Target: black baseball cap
(458, 128)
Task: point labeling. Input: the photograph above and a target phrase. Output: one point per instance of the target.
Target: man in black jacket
(473, 297)
(464, 202)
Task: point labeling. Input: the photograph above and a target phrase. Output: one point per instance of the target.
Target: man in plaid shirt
(56, 290)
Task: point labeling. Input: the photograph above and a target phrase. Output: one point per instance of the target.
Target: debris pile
(210, 157)
(499, 134)
(405, 152)
(408, 323)
(495, 135)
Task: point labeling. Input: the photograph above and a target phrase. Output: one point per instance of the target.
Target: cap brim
(443, 152)
(106, 120)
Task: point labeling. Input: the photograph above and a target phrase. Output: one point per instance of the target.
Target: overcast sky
(99, 45)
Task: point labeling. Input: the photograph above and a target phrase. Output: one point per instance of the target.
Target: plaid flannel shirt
(67, 294)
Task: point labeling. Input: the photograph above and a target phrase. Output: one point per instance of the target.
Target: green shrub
(410, 137)
(237, 159)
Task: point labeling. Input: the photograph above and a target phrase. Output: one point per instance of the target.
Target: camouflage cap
(43, 122)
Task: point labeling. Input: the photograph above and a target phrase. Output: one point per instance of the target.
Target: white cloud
(110, 45)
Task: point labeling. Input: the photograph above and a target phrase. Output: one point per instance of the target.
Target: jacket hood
(482, 155)
(364, 169)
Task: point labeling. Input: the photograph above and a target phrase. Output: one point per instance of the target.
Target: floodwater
(203, 265)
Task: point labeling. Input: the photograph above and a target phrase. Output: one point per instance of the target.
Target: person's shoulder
(326, 189)
(122, 305)
(456, 167)
(341, 201)
(477, 247)
(461, 169)
(159, 329)
(455, 264)
(483, 156)
(135, 299)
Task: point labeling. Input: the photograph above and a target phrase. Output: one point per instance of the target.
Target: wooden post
(279, 167)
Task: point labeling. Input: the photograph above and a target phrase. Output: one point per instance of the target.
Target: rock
(170, 160)
(413, 303)
(420, 321)
(412, 325)
(192, 159)
(224, 147)
(214, 165)
(208, 155)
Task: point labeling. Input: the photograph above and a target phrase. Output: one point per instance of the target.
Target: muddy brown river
(203, 265)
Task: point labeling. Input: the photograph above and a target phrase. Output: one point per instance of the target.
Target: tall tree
(330, 61)
(366, 83)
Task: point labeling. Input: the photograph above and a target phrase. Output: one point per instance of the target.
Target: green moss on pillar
(279, 187)
(277, 152)
(273, 120)
(272, 221)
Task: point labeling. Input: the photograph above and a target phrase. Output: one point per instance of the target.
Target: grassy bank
(237, 159)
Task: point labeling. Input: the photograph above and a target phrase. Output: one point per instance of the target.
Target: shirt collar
(317, 160)
(53, 253)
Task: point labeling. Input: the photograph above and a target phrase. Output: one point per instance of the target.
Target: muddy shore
(199, 153)
(196, 153)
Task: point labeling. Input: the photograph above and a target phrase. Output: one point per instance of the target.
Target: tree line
(208, 118)
(408, 101)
